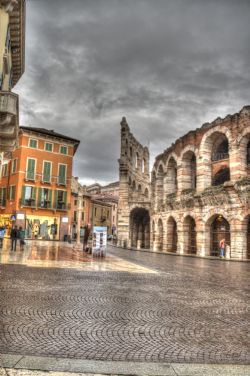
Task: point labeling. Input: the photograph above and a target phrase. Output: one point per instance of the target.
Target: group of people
(15, 235)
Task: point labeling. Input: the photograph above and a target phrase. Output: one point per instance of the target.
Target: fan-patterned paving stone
(189, 310)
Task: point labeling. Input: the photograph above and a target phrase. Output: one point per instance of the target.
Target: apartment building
(35, 185)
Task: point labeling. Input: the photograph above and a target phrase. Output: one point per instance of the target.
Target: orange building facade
(35, 185)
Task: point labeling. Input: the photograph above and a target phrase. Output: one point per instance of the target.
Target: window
(2, 196)
(75, 202)
(5, 170)
(44, 198)
(30, 173)
(12, 192)
(13, 166)
(95, 212)
(28, 196)
(46, 172)
(33, 143)
(63, 149)
(75, 216)
(82, 216)
(62, 174)
(60, 200)
(48, 146)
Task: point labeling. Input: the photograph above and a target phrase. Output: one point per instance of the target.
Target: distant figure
(222, 248)
(13, 236)
(21, 236)
(86, 237)
(2, 233)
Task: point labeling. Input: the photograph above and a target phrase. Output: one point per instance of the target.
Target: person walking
(13, 236)
(21, 236)
(2, 233)
(222, 248)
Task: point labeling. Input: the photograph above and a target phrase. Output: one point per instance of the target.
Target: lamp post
(78, 244)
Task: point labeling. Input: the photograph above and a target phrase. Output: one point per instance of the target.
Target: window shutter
(31, 169)
(23, 195)
(39, 202)
(46, 171)
(50, 198)
(55, 199)
(64, 200)
(62, 171)
(33, 196)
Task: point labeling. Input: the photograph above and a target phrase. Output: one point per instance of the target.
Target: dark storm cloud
(168, 66)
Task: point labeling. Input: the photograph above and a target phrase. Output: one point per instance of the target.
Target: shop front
(42, 227)
(7, 221)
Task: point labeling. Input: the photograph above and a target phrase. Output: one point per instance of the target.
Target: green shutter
(33, 197)
(50, 198)
(55, 199)
(39, 197)
(62, 173)
(64, 199)
(23, 195)
(46, 172)
(31, 169)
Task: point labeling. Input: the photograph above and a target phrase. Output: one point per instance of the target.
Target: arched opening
(146, 193)
(248, 238)
(139, 188)
(190, 244)
(131, 153)
(159, 235)
(248, 154)
(214, 151)
(221, 176)
(139, 225)
(136, 160)
(220, 148)
(189, 171)
(159, 185)
(171, 185)
(172, 237)
(153, 187)
(143, 166)
(219, 231)
(133, 186)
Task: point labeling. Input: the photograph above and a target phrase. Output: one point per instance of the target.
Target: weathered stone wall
(182, 186)
(134, 189)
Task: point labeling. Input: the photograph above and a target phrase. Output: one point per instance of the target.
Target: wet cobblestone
(191, 310)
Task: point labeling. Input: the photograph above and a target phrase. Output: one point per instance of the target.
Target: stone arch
(214, 148)
(217, 228)
(243, 153)
(139, 188)
(159, 185)
(170, 181)
(139, 226)
(133, 186)
(188, 170)
(189, 235)
(172, 236)
(146, 193)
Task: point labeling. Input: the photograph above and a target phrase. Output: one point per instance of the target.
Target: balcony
(8, 120)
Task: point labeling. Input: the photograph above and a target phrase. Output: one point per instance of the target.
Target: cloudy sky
(167, 65)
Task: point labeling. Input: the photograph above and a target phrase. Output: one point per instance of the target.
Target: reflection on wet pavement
(46, 254)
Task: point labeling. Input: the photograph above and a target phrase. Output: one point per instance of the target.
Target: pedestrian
(222, 248)
(2, 233)
(21, 236)
(13, 236)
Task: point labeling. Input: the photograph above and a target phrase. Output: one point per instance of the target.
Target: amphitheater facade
(197, 195)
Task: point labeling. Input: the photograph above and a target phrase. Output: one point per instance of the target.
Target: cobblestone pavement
(189, 310)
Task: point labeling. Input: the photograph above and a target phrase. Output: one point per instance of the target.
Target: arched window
(143, 166)
(133, 186)
(220, 230)
(136, 160)
(171, 184)
(139, 188)
(188, 178)
(146, 193)
(220, 149)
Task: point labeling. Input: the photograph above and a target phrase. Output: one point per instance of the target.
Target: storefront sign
(99, 241)
(65, 219)
(20, 216)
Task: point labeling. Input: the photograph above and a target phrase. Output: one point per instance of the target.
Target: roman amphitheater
(198, 192)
